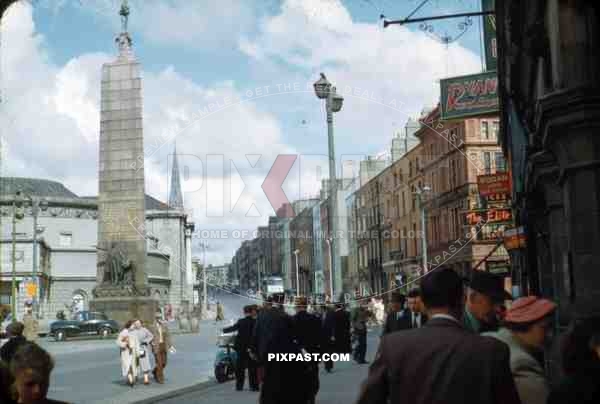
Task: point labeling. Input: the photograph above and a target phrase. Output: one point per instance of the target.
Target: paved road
(340, 387)
(88, 371)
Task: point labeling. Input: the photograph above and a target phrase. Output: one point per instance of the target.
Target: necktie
(414, 325)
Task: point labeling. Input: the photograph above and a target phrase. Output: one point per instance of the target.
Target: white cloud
(50, 127)
(364, 60)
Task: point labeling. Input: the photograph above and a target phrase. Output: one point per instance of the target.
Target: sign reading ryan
(474, 94)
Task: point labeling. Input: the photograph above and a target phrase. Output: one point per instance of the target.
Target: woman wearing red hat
(524, 330)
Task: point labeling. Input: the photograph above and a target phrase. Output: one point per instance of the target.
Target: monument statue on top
(122, 290)
(124, 13)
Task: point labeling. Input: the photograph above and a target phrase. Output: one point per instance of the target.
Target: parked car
(85, 323)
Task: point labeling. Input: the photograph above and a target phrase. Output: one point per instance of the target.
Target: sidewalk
(339, 387)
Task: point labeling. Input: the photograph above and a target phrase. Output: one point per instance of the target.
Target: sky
(251, 63)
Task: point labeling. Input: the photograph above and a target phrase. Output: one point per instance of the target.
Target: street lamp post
(37, 206)
(259, 285)
(333, 103)
(419, 193)
(296, 252)
(18, 214)
(204, 246)
(328, 240)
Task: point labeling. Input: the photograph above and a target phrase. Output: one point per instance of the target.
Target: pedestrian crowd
(450, 340)
(457, 342)
(136, 342)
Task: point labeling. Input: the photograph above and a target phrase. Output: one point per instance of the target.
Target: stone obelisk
(122, 290)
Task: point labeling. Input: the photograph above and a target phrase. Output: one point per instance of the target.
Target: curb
(196, 387)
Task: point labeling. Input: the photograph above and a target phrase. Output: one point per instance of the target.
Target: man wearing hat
(525, 329)
(244, 328)
(160, 344)
(336, 330)
(484, 297)
(307, 332)
(15, 340)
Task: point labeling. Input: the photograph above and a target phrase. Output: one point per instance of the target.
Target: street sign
(475, 94)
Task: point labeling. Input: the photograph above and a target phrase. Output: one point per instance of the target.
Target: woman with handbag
(144, 338)
(128, 345)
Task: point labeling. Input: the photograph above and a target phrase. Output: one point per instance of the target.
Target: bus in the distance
(272, 285)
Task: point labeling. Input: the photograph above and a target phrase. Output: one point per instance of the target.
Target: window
(452, 177)
(495, 129)
(485, 133)
(403, 204)
(487, 162)
(500, 162)
(65, 239)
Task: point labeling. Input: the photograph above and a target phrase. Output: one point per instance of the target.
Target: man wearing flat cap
(485, 295)
(161, 344)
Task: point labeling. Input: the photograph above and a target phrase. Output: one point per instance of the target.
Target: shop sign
(489, 216)
(498, 267)
(489, 35)
(475, 94)
(515, 238)
(494, 184)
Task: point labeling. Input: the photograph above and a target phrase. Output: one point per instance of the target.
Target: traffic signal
(19, 206)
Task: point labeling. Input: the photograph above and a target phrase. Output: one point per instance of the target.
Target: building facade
(454, 154)
(550, 114)
(66, 248)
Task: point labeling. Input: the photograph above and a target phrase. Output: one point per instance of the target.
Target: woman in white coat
(129, 353)
(144, 338)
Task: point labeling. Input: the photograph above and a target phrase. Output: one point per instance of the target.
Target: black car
(85, 323)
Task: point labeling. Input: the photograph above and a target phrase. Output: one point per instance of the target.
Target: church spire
(175, 195)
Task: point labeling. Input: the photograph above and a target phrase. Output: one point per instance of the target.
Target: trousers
(160, 359)
(244, 362)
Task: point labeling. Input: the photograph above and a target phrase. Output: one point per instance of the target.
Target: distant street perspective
(299, 201)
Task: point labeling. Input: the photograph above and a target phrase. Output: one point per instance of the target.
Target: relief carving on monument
(118, 268)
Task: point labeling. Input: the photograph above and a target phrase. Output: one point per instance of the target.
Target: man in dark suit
(416, 313)
(274, 334)
(397, 318)
(440, 363)
(307, 332)
(243, 341)
(337, 332)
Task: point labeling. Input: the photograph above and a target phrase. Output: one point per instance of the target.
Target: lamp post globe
(322, 87)
(337, 101)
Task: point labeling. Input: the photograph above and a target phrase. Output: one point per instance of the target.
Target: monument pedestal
(122, 304)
